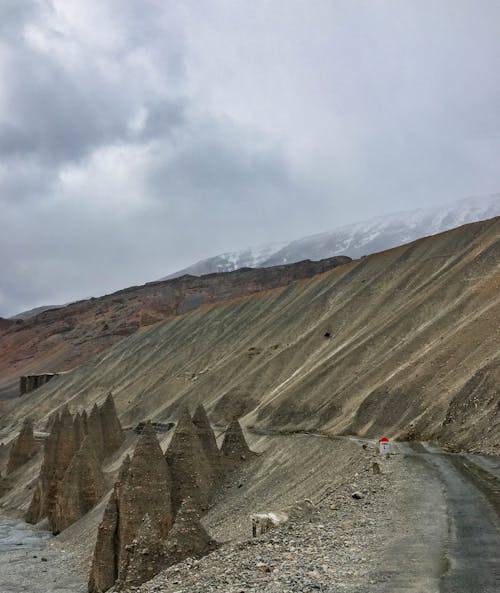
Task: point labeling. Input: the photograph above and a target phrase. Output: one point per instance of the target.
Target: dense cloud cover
(137, 136)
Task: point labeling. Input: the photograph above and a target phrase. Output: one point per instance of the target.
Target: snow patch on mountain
(355, 240)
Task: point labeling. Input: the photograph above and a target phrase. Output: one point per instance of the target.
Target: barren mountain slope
(58, 339)
(404, 342)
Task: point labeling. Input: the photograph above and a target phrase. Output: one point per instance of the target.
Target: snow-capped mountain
(355, 239)
(251, 257)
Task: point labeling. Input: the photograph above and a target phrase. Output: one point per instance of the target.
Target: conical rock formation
(187, 538)
(104, 433)
(208, 441)
(4, 454)
(112, 429)
(147, 555)
(95, 431)
(81, 488)
(4, 485)
(147, 489)
(80, 433)
(104, 569)
(192, 473)
(234, 446)
(23, 448)
(65, 448)
(38, 506)
(59, 448)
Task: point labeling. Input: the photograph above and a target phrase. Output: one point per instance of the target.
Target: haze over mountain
(354, 240)
(204, 129)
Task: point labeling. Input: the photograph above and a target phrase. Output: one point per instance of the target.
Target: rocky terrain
(403, 342)
(152, 518)
(259, 483)
(58, 339)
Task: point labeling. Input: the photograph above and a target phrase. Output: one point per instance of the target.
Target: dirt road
(471, 547)
(443, 523)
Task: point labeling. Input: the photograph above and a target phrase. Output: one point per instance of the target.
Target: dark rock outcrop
(81, 488)
(161, 427)
(234, 445)
(23, 448)
(191, 471)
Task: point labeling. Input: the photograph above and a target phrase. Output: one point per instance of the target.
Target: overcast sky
(137, 137)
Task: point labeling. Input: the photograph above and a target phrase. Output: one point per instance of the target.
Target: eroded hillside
(58, 339)
(405, 341)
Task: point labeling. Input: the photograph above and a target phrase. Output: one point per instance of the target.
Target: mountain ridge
(356, 239)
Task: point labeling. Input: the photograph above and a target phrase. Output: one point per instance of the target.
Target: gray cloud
(137, 137)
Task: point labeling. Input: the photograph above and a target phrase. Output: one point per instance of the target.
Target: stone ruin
(152, 519)
(157, 426)
(70, 481)
(29, 382)
(23, 448)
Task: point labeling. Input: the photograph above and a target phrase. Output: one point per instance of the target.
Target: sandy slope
(414, 350)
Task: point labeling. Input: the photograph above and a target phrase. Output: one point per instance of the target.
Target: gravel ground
(340, 546)
(394, 537)
(31, 562)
